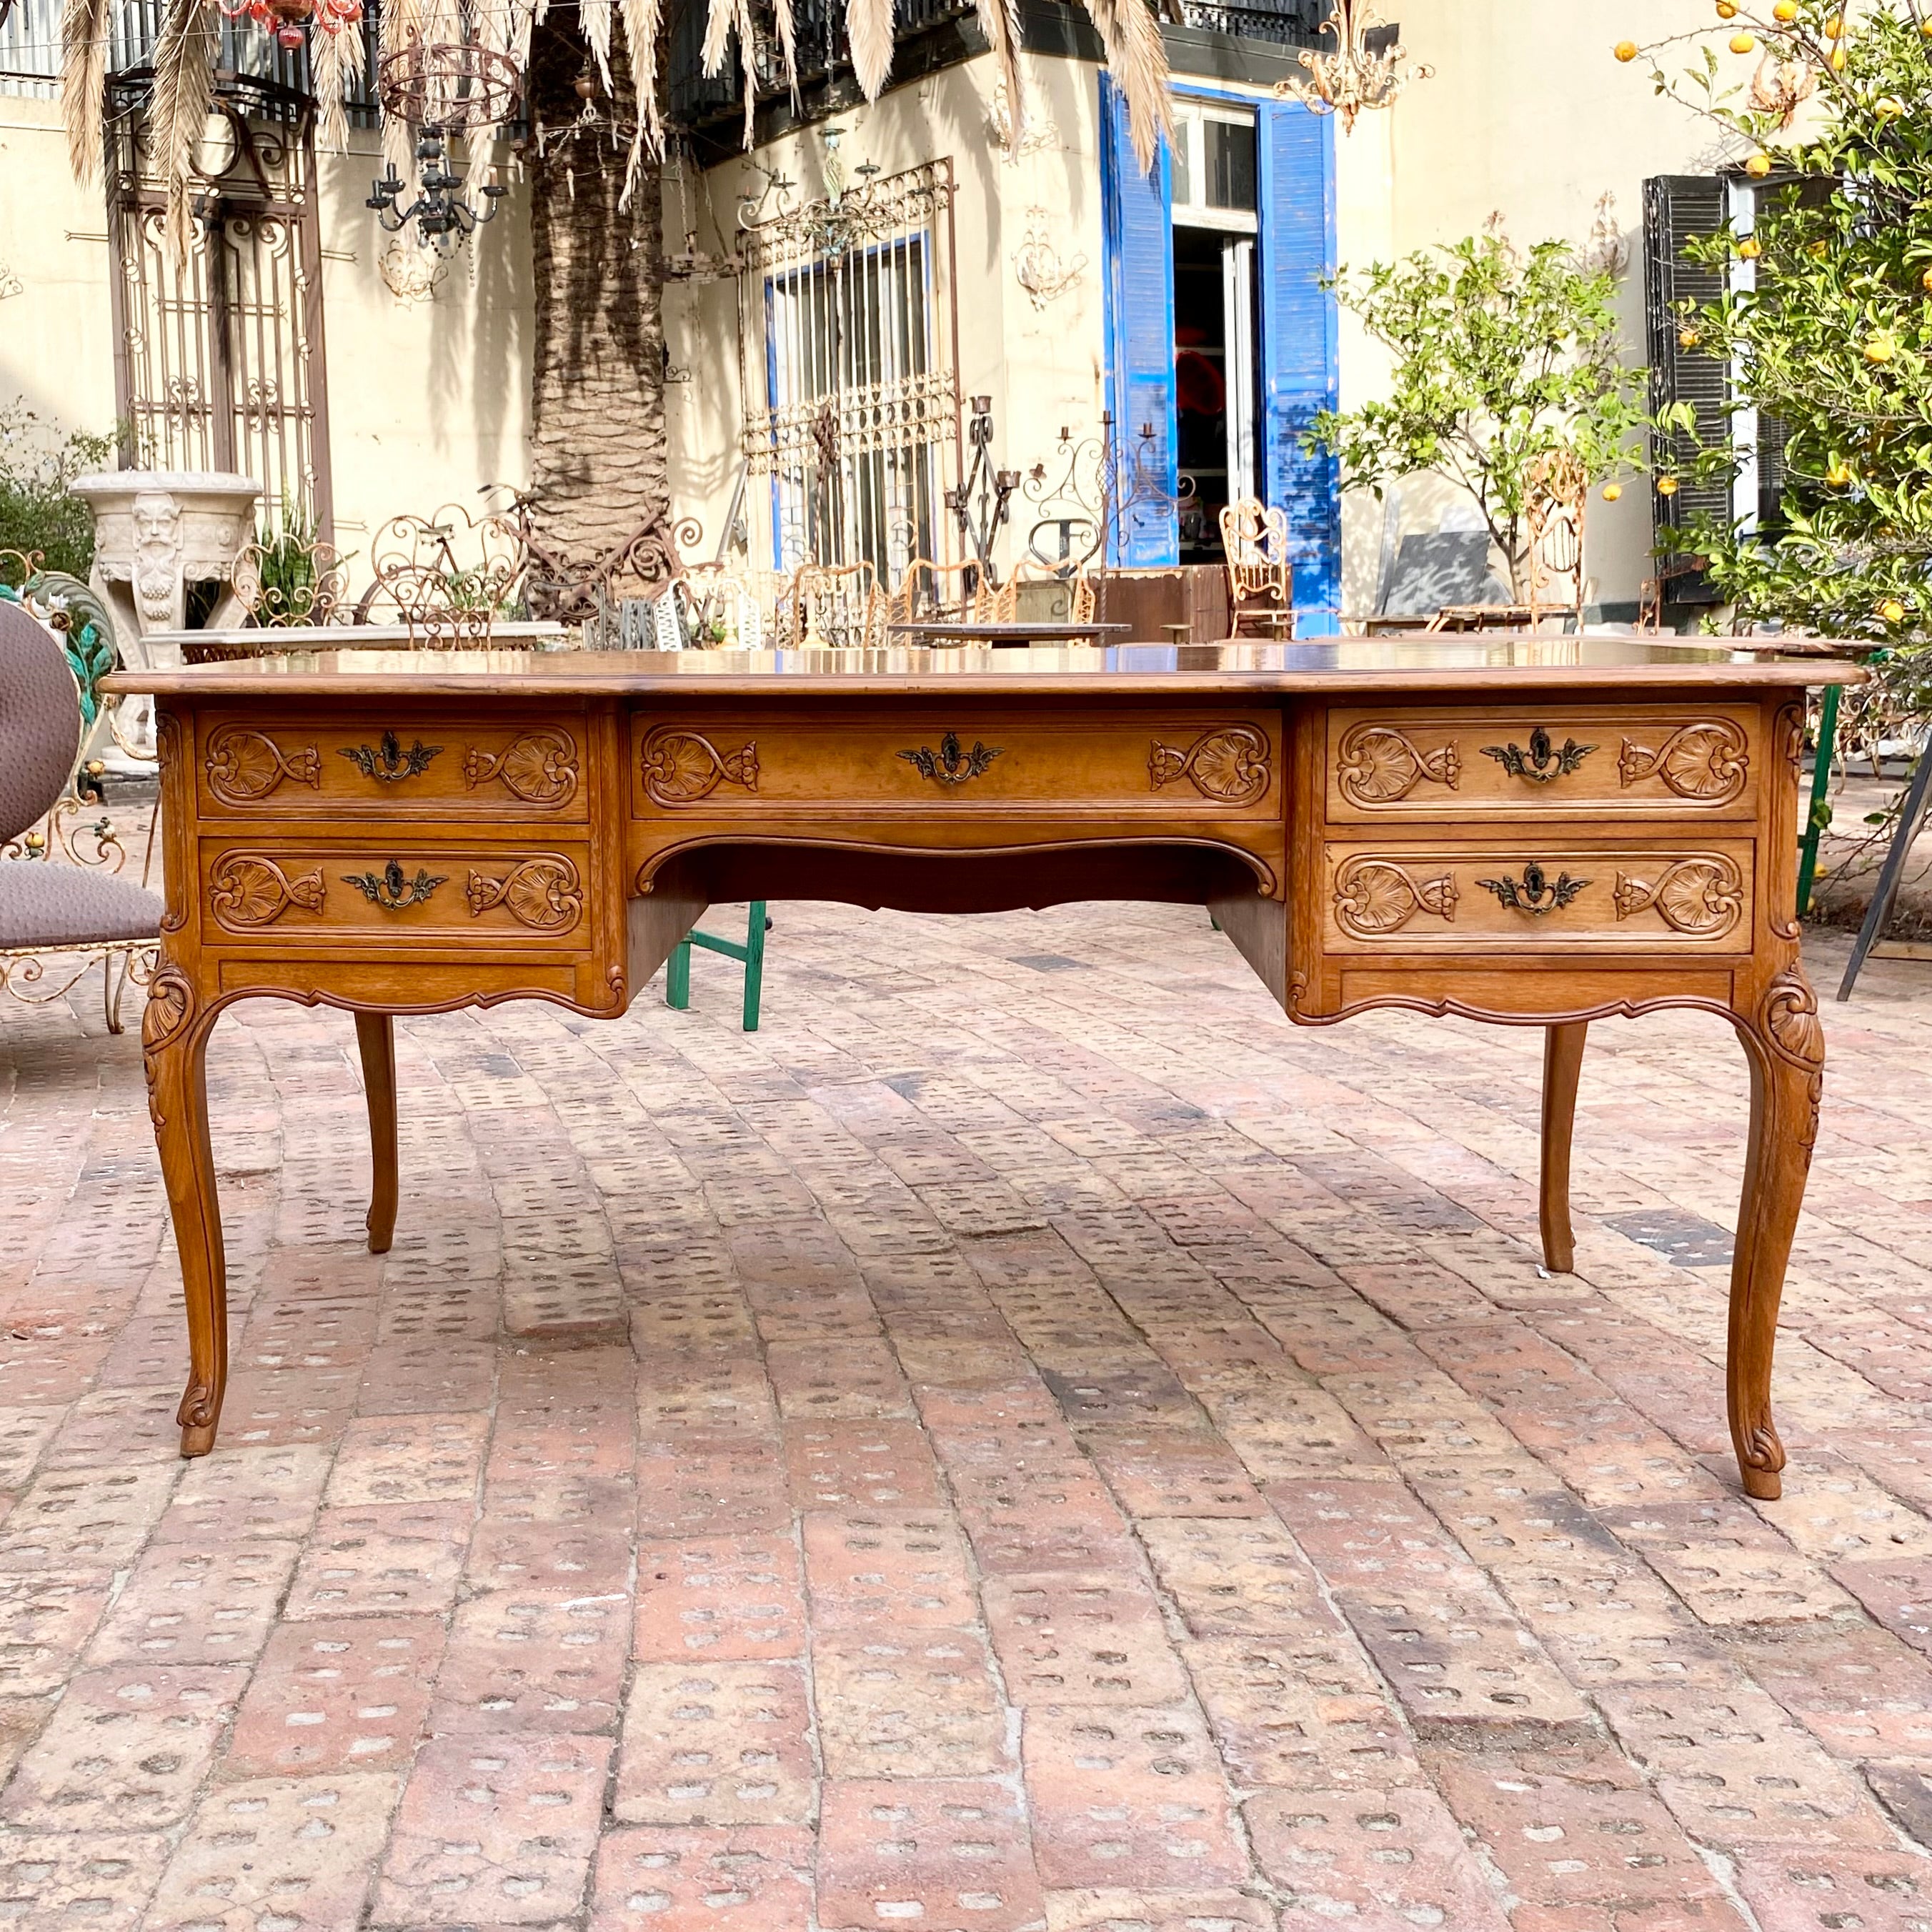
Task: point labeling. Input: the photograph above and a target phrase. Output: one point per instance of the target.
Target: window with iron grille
(847, 330)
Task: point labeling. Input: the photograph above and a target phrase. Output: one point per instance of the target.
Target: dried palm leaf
(748, 62)
(1138, 62)
(84, 27)
(784, 22)
(1000, 21)
(402, 25)
(335, 62)
(185, 52)
(643, 19)
(595, 17)
(868, 31)
(718, 22)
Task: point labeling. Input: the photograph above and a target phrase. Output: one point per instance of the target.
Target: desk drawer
(394, 892)
(397, 766)
(961, 758)
(1538, 895)
(1703, 762)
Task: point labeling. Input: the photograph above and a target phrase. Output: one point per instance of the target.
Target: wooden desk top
(1478, 663)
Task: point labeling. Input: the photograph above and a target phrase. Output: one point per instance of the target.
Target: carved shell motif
(1703, 897)
(247, 891)
(243, 765)
(1230, 766)
(1376, 764)
(1375, 896)
(1707, 761)
(539, 767)
(545, 894)
(680, 767)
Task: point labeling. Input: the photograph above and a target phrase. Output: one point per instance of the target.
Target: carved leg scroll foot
(174, 1042)
(1562, 1062)
(376, 1035)
(1786, 1046)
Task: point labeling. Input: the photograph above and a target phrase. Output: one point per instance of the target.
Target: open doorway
(1215, 366)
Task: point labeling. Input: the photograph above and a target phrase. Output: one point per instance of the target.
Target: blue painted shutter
(1139, 237)
(1299, 359)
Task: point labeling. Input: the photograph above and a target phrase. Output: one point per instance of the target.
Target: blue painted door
(1300, 373)
(1139, 230)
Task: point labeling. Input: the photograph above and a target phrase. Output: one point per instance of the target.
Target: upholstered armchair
(60, 896)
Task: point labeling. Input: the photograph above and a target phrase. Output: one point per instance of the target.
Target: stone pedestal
(156, 532)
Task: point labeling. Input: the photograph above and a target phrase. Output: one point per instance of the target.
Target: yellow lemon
(1626, 50)
(1839, 474)
(1835, 26)
(1612, 491)
(1880, 349)
(1925, 280)
(1822, 248)
(1667, 486)
(1839, 57)
(1727, 10)
(1688, 338)
(1758, 166)
(1892, 611)
(1750, 249)
(1889, 108)
(1785, 12)
(1743, 44)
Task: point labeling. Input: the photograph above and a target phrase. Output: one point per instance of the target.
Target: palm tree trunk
(599, 463)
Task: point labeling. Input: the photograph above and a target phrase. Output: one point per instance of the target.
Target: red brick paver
(1013, 1445)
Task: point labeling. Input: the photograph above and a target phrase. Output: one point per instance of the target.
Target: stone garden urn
(156, 532)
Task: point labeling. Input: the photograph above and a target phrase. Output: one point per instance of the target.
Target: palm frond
(595, 16)
(84, 27)
(868, 31)
(1138, 62)
(1000, 21)
(784, 20)
(722, 17)
(642, 20)
(335, 60)
(402, 22)
(185, 52)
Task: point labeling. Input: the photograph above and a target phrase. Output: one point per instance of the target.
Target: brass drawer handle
(1535, 893)
(387, 762)
(950, 764)
(1544, 761)
(392, 889)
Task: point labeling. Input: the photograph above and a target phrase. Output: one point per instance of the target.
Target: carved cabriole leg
(174, 1045)
(376, 1035)
(1786, 1047)
(1562, 1062)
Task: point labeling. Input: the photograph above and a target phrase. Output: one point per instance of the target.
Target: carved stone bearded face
(158, 534)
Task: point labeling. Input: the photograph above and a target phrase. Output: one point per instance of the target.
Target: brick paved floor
(1027, 1439)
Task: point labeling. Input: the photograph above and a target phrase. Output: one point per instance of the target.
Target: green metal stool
(751, 954)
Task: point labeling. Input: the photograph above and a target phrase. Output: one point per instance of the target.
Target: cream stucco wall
(1042, 364)
(428, 399)
(1526, 115)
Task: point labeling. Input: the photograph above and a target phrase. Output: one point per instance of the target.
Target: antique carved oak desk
(1543, 832)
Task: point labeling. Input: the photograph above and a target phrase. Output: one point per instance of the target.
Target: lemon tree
(1501, 360)
(1829, 107)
